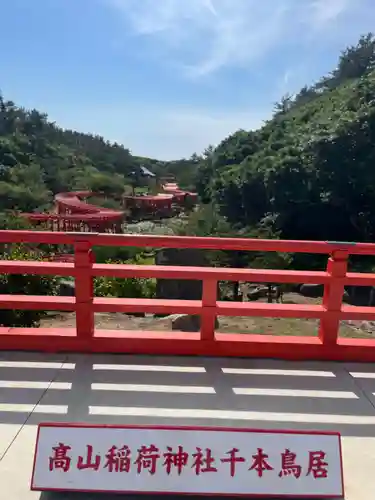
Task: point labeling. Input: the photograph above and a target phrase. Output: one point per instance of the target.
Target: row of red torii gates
(74, 214)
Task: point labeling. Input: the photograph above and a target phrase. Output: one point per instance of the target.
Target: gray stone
(362, 295)
(254, 294)
(309, 290)
(315, 291)
(257, 292)
(180, 289)
(66, 289)
(188, 322)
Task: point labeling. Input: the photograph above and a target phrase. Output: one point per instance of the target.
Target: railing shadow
(124, 389)
(226, 392)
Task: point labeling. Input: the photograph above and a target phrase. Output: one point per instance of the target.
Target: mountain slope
(309, 173)
(39, 159)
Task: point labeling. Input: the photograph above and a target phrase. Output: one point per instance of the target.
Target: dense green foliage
(24, 284)
(105, 286)
(312, 162)
(38, 159)
(308, 173)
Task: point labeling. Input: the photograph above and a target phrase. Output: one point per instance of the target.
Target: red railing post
(208, 315)
(84, 289)
(332, 298)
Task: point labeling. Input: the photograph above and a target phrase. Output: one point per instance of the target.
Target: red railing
(327, 345)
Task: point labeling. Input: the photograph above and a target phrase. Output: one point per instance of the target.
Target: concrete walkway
(227, 392)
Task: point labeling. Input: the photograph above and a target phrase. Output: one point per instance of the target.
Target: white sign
(208, 461)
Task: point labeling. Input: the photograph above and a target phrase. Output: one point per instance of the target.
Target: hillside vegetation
(39, 159)
(309, 172)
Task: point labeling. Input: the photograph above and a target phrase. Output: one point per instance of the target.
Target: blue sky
(168, 77)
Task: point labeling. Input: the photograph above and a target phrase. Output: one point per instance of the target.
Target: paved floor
(227, 392)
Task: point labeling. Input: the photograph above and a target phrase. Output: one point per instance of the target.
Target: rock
(253, 295)
(362, 295)
(309, 290)
(295, 287)
(188, 322)
(67, 289)
(180, 289)
(315, 291)
(257, 292)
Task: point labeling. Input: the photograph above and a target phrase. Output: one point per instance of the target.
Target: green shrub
(114, 254)
(125, 288)
(105, 286)
(24, 284)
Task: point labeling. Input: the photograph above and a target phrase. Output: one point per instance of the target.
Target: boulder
(315, 291)
(362, 295)
(67, 289)
(257, 292)
(180, 289)
(188, 322)
(254, 295)
(309, 290)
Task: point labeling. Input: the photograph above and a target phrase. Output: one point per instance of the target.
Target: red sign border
(186, 428)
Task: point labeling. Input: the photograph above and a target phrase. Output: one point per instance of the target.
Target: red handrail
(86, 339)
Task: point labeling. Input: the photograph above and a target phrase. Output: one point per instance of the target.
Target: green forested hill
(309, 172)
(39, 159)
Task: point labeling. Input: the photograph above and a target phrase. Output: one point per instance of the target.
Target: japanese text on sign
(149, 457)
(179, 460)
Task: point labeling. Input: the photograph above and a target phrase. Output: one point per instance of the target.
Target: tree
(24, 284)
(356, 60)
(309, 168)
(284, 105)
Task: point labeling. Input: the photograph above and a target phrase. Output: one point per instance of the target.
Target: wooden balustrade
(85, 338)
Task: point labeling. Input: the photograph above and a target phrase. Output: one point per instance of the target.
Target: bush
(114, 254)
(125, 288)
(105, 286)
(24, 284)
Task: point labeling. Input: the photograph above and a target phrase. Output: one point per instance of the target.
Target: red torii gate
(73, 213)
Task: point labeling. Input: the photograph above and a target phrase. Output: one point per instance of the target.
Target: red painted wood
(357, 313)
(360, 279)
(209, 243)
(37, 302)
(36, 268)
(332, 299)
(84, 290)
(158, 306)
(219, 274)
(269, 310)
(209, 311)
(85, 339)
(176, 343)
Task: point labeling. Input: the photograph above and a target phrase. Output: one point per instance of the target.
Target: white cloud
(203, 36)
(326, 11)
